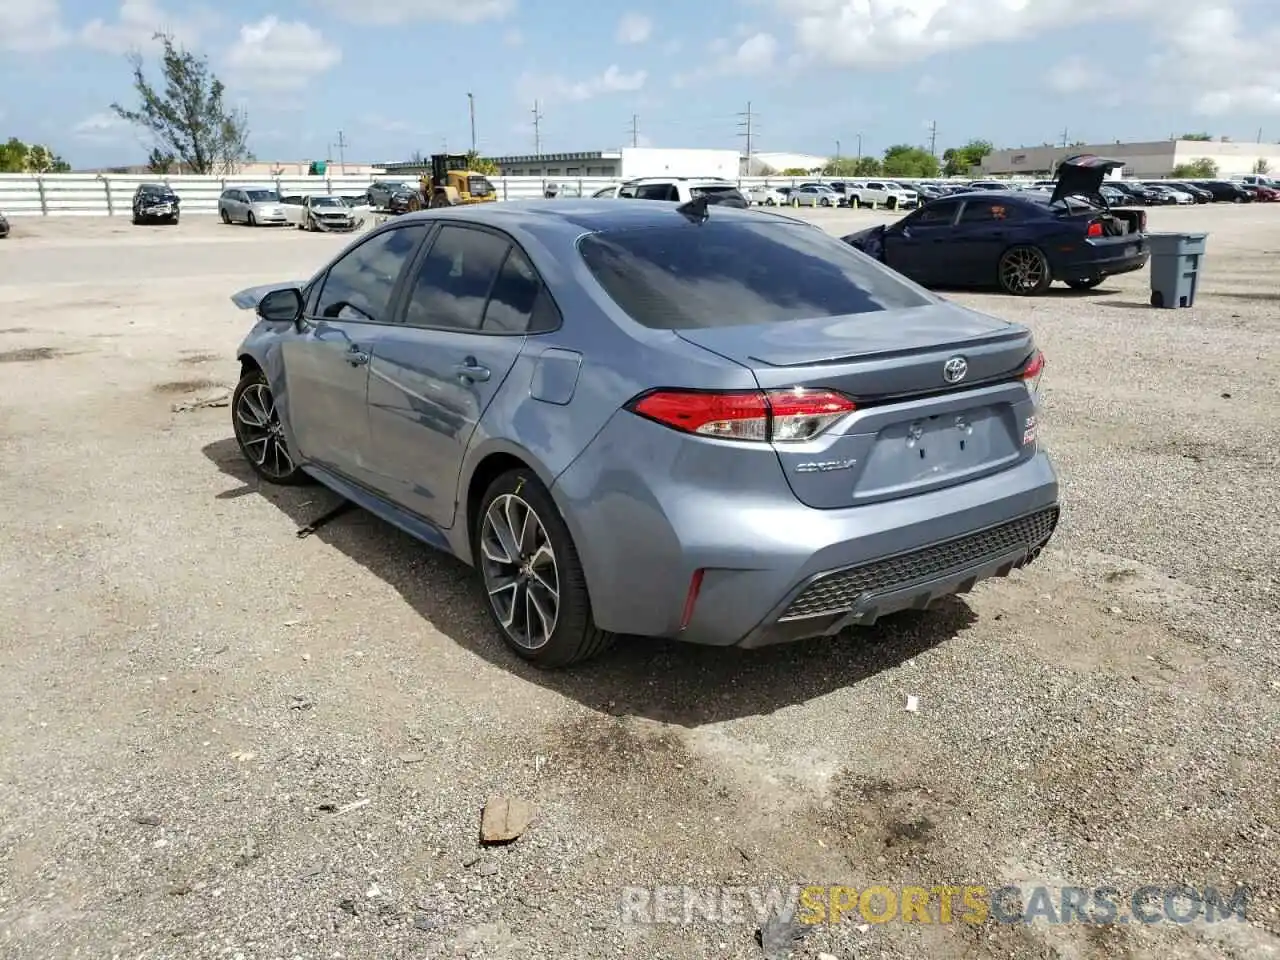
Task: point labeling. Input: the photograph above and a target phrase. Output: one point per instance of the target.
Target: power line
(537, 130)
(747, 122)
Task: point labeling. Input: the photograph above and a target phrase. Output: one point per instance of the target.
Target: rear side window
(988, 211)
(728, 274)
(453, 283)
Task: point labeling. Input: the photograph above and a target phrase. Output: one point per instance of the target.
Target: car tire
(1024, 271)
(174, 220)
(1084, 284)
(551, 589)
(260, 434)
(226, 218)
(892, 203)
(251, 220)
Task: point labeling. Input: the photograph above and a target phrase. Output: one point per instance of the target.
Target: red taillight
(1095, 230)
(1032, 371)
(779, 416)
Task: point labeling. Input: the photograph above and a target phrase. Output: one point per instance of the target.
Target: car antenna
(695, 210)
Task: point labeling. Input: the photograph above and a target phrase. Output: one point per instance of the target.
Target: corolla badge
(955, 369)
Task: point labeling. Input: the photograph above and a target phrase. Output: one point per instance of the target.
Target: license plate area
(935, 450)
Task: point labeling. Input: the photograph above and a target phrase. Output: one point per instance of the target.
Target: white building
(1151, 159)
(624, 164)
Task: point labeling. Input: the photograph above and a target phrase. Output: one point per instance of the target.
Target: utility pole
(837, 151)
(1066, 138)
(342, 153)
(933, 138)
(537, 130)
(747, 122)
(635, 130)
(471, 105)
(859, 146)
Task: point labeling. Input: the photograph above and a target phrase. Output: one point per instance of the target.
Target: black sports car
(1020, 241)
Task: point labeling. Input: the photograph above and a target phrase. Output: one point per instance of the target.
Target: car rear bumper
(647, 516)
(1104, 264)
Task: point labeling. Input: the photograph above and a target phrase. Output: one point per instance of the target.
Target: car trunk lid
(1082, 175)
(916, 428)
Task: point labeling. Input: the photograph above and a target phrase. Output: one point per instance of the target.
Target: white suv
(884, 193)
(684, 189)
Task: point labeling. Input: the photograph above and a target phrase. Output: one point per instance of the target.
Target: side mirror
(281, 306)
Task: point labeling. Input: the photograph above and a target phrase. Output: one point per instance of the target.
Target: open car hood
(1082, 175)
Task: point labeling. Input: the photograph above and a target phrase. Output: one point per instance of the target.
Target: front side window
(721, 274)
(360, 284)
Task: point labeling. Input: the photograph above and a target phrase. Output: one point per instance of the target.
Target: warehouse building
(624, 164)
(1152, 159)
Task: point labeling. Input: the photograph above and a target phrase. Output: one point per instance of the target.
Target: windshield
(734, 273)
(263, 196)
(479, 186)
(326, 202)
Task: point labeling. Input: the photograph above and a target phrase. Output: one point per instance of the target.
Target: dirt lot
(191, 697)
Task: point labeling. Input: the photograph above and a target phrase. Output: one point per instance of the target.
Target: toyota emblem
(955, 369)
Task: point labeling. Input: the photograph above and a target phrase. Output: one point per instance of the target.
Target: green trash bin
(1175, 267)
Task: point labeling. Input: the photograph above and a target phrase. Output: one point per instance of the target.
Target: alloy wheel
(261, 433)
(1022, 270)
(520, 572)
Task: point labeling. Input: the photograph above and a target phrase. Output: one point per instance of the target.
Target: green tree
(1204, 137)
(160, 161)
(482, 164)
(960, 160)
(867, 167)
(1262, 167)
(1202, 168)
(794, 172)
(902, 160)
(19, 157)
(188, 117)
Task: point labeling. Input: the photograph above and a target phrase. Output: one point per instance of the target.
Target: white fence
(88, 195)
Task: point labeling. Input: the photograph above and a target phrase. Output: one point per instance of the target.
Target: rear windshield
(729, 196)
(727, 274)
(479, 186)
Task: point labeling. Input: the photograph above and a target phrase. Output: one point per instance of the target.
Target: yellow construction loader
(450, 183)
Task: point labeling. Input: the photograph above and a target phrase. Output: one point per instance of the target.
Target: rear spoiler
(250, 297)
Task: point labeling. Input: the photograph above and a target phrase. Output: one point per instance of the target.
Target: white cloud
(30, 26)
(513, 38)
(553, 87)
(1076, 75)
(1220, 63)
(278, 55)
(754, 55)
(407, 11)
(136, 25)
(868, 34)
(634, 28)
(928, 85)
(100, 128)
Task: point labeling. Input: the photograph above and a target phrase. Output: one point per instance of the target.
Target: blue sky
(393, 75)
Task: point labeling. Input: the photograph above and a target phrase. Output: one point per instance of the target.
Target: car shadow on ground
(661, 680)
(1053, 293)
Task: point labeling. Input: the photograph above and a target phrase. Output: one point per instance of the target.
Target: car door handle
(356, 356)
(469, 369)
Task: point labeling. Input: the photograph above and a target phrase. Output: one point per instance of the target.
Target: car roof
(576, 216)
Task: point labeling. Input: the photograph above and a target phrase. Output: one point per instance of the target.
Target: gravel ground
(222, 741)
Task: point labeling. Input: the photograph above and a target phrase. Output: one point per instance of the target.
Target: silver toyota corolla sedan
(655, 419)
